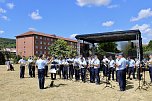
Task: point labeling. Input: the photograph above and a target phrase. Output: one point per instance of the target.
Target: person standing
(41, 71)
(121, 65)
(131, 69)
(91, 68)
(30, 60)
(96, 64)
(83, 64)
(150, 66)
(71, 69)
(22, 63)
(105, 65)
(111, 68)
(77, 69)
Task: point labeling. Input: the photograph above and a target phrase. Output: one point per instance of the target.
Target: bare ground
(12, 88)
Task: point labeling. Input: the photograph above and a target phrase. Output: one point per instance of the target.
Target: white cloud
(144, 13)
(1, 31)
(2, 10)
(73, 36)
(10, 5)
(4, 17)
(35, 15)
(145, 28)
(107, 23)
(32, 29)
(93, 2)
(112, 6)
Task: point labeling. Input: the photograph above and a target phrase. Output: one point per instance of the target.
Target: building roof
(43, 34)
(110, 36)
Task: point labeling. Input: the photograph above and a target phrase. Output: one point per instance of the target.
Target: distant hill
(7, 43)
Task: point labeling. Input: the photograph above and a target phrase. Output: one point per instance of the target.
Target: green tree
(61, 48)
(102, 48)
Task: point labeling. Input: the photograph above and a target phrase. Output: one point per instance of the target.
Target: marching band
(79, 67)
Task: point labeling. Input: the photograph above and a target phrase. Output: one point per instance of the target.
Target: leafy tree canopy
(60, 48)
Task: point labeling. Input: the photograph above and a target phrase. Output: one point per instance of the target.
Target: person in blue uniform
(91, 67)
(121, 65)
(131, 69)
(96, 65)
(111, 68)
(150, 66)
(22, 63)
(41, 71)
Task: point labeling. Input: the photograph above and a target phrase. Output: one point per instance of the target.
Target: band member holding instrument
(131, 67)
(105, 68)
(83, 64)
(111, 68)
(121, 65)
(71, 69)
(91, 67)
(150, 66)
(77, 69)
(41, 70)
(65, 68)
(22, 63)
(96, 65)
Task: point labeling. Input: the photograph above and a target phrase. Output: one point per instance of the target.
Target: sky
(68, 18)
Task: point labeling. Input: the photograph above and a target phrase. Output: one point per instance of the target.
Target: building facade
(34, 43)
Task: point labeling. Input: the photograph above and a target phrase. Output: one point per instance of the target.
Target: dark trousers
(65, 72)
(97, 77)
(122, 79)
(41, 77)
(77, 73)
(92, 75)
(60, 71)
(150, 73)
(46, 70)
(33, 71)
(30, 70)
(53, 76)
(22, 71)
(71, 71)
(105, 70)
(83, 74)
(131, 70)
(111, 71)
(117, 75)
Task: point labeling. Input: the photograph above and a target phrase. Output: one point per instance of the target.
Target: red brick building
(34, 43)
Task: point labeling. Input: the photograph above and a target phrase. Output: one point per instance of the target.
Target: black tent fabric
(109, 36)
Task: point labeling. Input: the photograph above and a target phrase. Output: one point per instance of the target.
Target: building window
(44, 38)
(44, 52)
(41, 52)
(48, 39)
(40, 42)
(36, 42)
(24, 52)
(36, 37)
(45, 47)
(40, 37)
(44, 43)
(37, 52)
(36, 47)
(41, 47)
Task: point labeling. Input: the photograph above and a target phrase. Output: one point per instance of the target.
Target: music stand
(144, 77)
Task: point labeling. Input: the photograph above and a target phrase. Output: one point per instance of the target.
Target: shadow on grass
(129, 87)
(54, 85)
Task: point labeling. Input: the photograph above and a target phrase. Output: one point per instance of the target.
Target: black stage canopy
(110, 36)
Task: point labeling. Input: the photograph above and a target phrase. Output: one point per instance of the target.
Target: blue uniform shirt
(122, 64)
(41, 63)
